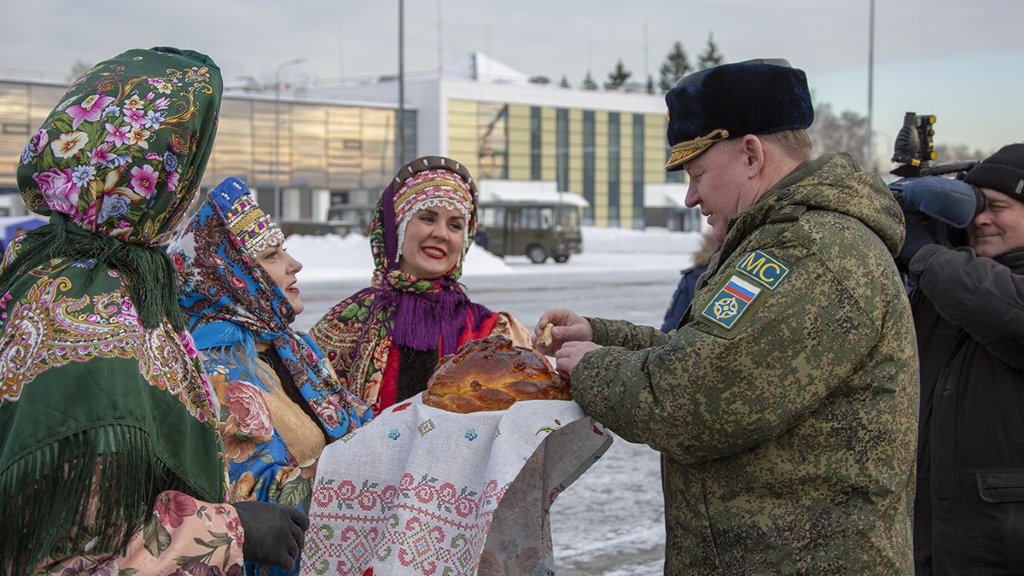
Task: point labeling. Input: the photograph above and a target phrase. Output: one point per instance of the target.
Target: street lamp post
(278, 202)
(400, 141)
(871, 82)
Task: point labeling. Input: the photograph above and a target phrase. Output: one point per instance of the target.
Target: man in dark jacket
(969, 313)
(687, 287)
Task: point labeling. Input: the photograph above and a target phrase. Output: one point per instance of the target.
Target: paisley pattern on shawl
(52, 327)
(95, 375)
(358, 333)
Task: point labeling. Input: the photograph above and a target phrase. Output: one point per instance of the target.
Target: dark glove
(919, 235)
(274, 533)
(950, 201)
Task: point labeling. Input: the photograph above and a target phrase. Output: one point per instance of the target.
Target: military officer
(784, 405)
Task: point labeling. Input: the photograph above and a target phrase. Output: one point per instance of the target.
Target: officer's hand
(567, 326)
(274, 533)
(570, 354)
(945, 199)
(918, 236)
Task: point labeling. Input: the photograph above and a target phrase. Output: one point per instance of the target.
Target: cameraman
(969, 314)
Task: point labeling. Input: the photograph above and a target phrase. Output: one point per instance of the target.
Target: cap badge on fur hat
(728, 101)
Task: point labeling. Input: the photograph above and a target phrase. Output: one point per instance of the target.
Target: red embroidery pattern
(432, 527)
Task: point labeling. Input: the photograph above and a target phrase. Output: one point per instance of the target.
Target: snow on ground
(333, 257)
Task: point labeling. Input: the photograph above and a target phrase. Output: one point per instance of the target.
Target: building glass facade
(316, 148)
(605, 156)
(562, 148)
(536, 151)
(23, 108)
(589, 158)
(638, 171)
(614, 167)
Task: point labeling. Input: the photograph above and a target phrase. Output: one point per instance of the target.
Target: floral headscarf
(98, 388)
(422, 314)
(117, 152)
(121, 157)
(224, 289)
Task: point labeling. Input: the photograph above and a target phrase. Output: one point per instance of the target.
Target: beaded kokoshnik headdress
(432, 188)
(250, 224)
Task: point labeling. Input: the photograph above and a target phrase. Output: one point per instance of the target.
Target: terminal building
(314, 151)
(319, 150)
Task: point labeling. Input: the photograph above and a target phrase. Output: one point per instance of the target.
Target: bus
(538, 226)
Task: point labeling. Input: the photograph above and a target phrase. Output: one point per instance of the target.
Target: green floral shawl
(103, 404)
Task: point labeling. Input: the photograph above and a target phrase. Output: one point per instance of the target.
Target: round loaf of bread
(492, 374)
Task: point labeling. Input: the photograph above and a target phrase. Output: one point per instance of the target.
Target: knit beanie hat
(1002, 171)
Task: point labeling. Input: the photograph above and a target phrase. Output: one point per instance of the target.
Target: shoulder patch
(731, 301)
(763, 268)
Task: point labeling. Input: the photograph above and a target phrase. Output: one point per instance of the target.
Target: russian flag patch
(729, 304)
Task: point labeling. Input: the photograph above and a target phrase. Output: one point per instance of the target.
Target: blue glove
(950, 201)
(918, 236)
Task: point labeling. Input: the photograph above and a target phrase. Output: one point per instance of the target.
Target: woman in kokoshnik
(110, 456)
(385, 341)
(280, 401)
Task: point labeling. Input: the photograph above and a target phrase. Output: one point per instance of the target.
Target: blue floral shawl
(231, 303)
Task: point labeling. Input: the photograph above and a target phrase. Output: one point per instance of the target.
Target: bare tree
(847, 132)
(958, 152)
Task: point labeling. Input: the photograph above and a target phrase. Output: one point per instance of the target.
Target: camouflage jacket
(784, 406)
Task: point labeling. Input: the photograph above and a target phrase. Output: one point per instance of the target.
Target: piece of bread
(492, 374)
(545, 338)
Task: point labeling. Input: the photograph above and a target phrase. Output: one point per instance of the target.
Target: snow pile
(332, 257)
(651, 240)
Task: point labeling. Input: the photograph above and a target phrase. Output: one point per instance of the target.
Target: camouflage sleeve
(718, 387)
(623, 334)
(979, 294)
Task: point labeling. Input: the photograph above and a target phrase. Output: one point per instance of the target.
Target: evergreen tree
(588, 83)
(617, 77)
(565, 82)
(650, 84)
(676, 65)
(711, 57)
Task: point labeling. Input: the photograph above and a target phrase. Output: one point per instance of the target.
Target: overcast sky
(962, 60)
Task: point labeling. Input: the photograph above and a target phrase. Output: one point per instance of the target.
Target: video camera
(947, 203)
(915, 149)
